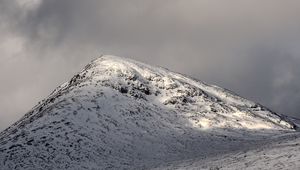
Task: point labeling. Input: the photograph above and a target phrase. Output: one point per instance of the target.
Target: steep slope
(118, 113)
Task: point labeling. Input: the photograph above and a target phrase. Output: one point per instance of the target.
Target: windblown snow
(118, 113)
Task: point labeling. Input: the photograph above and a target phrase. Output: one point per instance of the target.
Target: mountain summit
(118, 113)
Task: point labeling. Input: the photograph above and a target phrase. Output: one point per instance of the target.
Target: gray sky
(250, 47)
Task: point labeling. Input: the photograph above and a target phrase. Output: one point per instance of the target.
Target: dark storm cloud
(269, 76)
(250, 47)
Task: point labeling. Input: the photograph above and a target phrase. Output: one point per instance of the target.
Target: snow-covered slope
(122, 114)
(279, 152)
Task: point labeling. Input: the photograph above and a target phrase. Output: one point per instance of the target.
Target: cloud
(250, 47)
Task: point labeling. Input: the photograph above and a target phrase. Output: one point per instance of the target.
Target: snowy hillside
(279, 152)
(118, 113)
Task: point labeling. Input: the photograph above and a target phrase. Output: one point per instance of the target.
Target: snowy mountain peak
(120, 113)
(217, 107)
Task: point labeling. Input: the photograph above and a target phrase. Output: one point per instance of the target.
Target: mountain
(118, 113)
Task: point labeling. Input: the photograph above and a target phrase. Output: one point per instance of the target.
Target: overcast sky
(250, 47)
